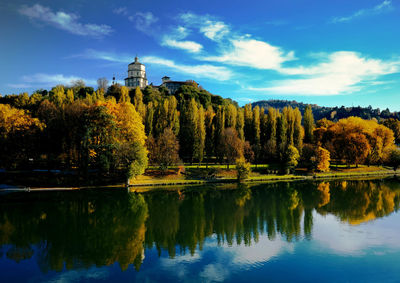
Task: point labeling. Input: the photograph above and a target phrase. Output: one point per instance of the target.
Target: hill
(330, 113)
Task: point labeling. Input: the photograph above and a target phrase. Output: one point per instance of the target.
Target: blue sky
(325, 52)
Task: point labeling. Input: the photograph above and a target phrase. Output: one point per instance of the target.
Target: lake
(302, 231)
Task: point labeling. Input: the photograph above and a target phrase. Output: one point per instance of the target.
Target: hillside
(331, 113)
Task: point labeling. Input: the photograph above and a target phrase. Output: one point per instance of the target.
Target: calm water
(331, 231)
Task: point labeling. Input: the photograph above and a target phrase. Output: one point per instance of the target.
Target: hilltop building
(136, 75)
(137, 78)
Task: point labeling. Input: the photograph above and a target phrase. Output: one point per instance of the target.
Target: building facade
(137, 78)
(136, 75)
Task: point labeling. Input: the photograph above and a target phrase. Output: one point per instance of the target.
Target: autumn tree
(271, 134)
(18, 135)
(240, 123)
(248, 123)
(231, 146)
(167, 149)
(138, 102)
(308, 125)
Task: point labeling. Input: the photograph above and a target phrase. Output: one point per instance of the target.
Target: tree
(321, 159)
(308, 125)
(231, 146)
(210, 127)
(256, 133)
(18, 136)
(271, 134)
(248, 123)
(167, 149)
(298, 132)
(394, 125)
(200, 135)
(394, 158)
(188, 129)
(102, 83)
(124, 95)
(240, 123)
(291, 158)
(248, 152)
(230, 116)
(138, 102)
(243, 169)
(282, 143)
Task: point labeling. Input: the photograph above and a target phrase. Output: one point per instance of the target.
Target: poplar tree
(149, 119)
(219, 122)
(248, 124)
(188, 129)
(209, 126)
(230, 116)
(281, 136)
(308, 125)
(200, 135)
(138, 102)
(298, 133)
(271, 133)
(240, 123)
(256, 132)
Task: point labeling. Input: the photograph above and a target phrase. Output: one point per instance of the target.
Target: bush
(243, 169)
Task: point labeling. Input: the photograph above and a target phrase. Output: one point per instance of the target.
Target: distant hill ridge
(330, 113)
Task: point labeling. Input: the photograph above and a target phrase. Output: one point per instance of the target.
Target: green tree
(243, 169)
(240, 123)
(308, 125)
(200, 135)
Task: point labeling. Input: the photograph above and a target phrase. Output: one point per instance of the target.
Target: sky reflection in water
(337, 231)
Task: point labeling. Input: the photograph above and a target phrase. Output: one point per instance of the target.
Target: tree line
(115, 129)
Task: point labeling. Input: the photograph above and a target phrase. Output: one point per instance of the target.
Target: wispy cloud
(385, 6)
(41, 79)
(235, 48)
(121, 11)
(104, 55)
(64, 21)
(209, 26)
(143, 21)
(201, 71)
(175, 40)
(342, 73)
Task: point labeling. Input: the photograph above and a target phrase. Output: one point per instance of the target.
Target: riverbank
(201, 176)
(149, 181)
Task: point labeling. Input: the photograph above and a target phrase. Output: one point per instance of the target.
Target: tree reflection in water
(81, 229)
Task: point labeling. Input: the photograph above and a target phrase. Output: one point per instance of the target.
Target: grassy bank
(261, 173)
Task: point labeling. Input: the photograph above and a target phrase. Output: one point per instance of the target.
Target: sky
(330, 53)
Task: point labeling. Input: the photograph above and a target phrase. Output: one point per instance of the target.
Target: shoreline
(171, 183)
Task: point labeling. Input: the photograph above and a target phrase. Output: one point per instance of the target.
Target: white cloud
(203, 71)
(41, 79)
(253, 53)
(143, 21)
(175, 40)
(343, 72)
(106, 56)
(385, 6)
(65, 21)
(189, 46)
(238, 50)
(121, 11)
(207, 25)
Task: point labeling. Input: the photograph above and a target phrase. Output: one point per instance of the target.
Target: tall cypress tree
(308, 125)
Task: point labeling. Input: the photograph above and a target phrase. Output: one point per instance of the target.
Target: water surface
(324, 231)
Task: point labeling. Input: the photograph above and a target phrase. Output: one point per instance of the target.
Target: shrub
(243, 169)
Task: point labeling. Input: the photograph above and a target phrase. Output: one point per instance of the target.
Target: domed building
(136, 75)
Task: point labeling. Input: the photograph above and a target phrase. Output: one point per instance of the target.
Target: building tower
(136, 75)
